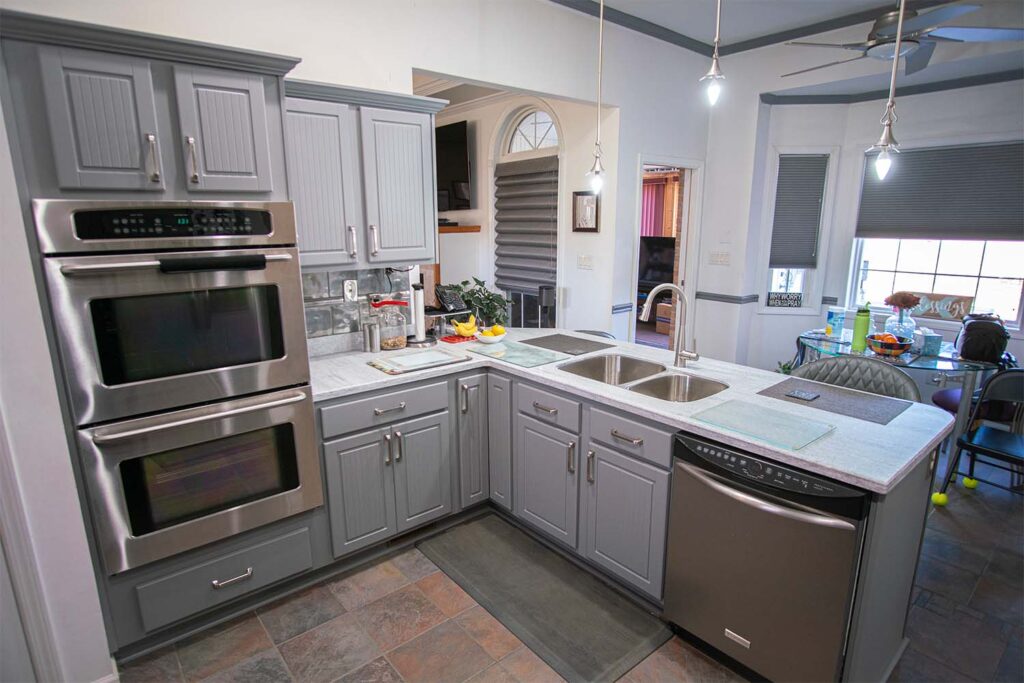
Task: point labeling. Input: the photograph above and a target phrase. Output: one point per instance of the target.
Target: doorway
(663, 209)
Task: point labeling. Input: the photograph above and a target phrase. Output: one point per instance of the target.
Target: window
(535, 130)
(990, 271)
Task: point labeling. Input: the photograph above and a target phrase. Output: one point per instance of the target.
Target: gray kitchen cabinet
(624, 512)
(322, 152)
(422, 470)
(225, 141)
(360, 490)
(102, 116)
(499, 440)
(474, 479)
(545, 464)
(398, 184)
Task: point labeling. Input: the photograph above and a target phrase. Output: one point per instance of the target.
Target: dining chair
(864, 374)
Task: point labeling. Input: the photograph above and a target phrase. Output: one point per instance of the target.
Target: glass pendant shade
(596, 175)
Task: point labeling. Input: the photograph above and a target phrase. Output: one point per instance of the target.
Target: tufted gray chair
(864, 374)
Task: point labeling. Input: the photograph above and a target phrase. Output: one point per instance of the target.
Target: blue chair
(1001, 400)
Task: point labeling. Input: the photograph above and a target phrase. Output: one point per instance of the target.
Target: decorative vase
(900, 324)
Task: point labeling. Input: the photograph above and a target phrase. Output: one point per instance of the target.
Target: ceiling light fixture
(596, 174)
(714, 76)
(887, 145)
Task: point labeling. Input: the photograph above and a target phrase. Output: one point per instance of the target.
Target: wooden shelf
(450, 229)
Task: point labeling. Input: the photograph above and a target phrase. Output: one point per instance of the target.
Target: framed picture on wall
(586, 211)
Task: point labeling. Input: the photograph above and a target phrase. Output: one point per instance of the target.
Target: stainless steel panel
(126, 275)
(612, 368)
(679, 387)
(102, 450)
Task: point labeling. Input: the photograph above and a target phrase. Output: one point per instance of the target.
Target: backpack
(983, 338)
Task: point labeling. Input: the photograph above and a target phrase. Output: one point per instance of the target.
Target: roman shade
(526, 244)
(798, 198)
(973, 192)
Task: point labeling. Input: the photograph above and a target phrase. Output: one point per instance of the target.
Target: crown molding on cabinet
(328, 92)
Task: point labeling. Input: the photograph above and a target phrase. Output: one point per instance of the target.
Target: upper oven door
(140, 333)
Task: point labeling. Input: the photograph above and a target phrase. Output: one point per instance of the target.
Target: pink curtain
(652, 208)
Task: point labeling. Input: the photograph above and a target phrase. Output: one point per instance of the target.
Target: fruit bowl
(493, 339)
(888, 348)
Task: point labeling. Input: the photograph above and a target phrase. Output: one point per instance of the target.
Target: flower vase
(900, 324)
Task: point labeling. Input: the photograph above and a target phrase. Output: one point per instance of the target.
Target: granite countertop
(871, 456)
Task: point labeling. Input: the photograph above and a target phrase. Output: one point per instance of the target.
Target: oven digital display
(113, 224)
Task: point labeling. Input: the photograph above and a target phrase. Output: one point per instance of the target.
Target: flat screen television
(454, 189)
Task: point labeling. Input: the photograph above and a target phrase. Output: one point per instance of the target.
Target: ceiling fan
(921, 31)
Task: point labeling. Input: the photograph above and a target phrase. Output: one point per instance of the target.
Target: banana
(466, 329)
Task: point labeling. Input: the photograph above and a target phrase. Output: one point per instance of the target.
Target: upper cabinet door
(102, 115)
(398, 181)
(224, 137)
(322, 150)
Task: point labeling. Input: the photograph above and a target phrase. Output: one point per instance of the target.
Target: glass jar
(392, 324)
(901, 324)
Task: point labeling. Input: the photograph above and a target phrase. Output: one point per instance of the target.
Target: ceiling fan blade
(973, 34)
(822, 66)
(845, 46)
(928, 20)
(919, 58)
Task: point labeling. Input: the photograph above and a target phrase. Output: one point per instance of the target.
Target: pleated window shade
(973, 192)
(798, 199)
(526, 246)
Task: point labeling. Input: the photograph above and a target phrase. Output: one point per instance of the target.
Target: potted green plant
(491, 308)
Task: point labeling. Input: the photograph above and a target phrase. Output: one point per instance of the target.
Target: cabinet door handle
(571, 454)
(399, 446)
(152, 159)
(224, 584)
(549, 411)
(382, 411)
(353, 249)
(387, 454)
(374, 240)
(193, 159)
(628, 439)
(590, 466)
(465, 398)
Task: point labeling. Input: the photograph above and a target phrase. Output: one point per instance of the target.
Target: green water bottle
(861, 325)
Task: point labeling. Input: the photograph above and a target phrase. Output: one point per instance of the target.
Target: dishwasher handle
(764, 505)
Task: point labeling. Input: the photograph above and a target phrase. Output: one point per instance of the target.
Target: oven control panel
(170, 222)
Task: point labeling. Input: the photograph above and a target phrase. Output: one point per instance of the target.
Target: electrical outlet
(351, 290)
(719, 258)
(584, 262)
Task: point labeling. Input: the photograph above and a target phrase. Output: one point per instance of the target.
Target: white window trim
(814, 278)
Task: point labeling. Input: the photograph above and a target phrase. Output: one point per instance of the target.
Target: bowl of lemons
(491, 335)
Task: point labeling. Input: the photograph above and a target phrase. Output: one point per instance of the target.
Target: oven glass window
(160, 335)
(171, 487)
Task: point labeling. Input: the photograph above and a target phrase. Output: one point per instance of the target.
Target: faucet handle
(689, 355)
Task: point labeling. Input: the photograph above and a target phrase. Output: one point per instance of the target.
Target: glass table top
(946, 361)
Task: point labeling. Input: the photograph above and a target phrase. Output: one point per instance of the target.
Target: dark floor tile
(221, 647)
(1007, 566)
(915, 667)
(939, 604)
(377, 671)
(444, 653)
(366, 585)
(445, 593)
(495, 673)
(491, 634)
(266, 667)
(942, 546)
(678, 661)
(414, 564)
(399, 617)
(998, 599)
(300, 612)
(157, 667)
(944, 579)
(1011, 666)
(329, 651)
(971, 646)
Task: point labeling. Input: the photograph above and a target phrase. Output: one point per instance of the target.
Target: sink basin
(613, 368)
(679, 387)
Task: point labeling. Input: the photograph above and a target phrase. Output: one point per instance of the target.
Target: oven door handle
(111, 437)
(172, 265)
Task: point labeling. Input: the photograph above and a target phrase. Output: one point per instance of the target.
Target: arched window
(535, 130)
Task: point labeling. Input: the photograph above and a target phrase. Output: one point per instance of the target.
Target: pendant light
(887, 145)
(714, 76)
(597, 174)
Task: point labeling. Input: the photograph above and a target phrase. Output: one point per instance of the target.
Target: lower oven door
(161, 485)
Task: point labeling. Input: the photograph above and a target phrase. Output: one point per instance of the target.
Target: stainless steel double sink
(643, 377)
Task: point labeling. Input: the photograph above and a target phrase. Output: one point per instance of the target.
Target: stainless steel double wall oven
(182, 340)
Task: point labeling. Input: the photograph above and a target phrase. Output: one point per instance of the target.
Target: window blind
(798, 198)
(526, 244)
(971, 192)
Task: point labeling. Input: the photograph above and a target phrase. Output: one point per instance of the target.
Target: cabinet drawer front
(195, 589)
(549, 408)
(633, 437)
(359, 414)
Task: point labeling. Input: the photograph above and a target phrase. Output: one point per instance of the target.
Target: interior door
(422, 470)
(360, 490)
(546, 485)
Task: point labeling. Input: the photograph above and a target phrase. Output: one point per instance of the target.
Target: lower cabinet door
(625, 513)
(422, 470)
(499, 437)
(472, 420)
(360, 490)
(546, 464)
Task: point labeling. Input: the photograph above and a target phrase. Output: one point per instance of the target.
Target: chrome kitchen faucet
(682, 355)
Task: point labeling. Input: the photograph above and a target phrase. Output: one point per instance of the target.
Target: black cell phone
(449, 299)
(803, 395)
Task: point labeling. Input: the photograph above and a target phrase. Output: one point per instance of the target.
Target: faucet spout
(679, 321)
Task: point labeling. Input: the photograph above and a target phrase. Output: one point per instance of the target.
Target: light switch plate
(584, 262)
(351, 290)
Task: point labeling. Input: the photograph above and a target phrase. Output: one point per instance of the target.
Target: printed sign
(785, 299)
(942, 306)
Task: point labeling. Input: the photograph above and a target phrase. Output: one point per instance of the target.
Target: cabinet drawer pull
(383, 411)
(590, 466)
(224, 584)
(571, 454)
(353, 249)
(193, 159)
(628, 439)
(399, 446)
(374, 240)
(549, 411)
(387, 454)
(465, 398)
(152, 160)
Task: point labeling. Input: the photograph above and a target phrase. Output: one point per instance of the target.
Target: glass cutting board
(517, 353)
(773, 426)
(396, 365)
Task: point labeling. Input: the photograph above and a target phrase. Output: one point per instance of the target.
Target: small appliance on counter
(420, 338)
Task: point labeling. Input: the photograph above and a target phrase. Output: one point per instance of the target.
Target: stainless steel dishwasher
(762, 560)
